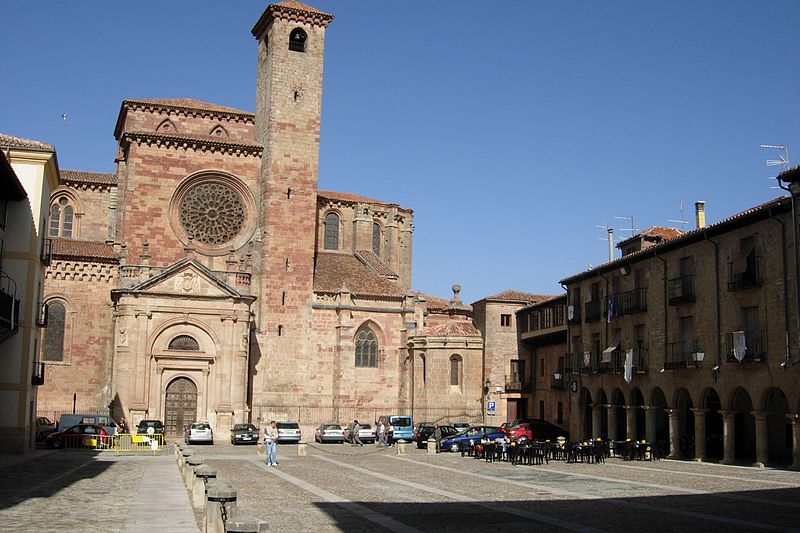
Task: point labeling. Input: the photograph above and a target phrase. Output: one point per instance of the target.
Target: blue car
(474, 434)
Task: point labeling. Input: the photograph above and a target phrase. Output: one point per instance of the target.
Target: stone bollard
(202, 476)
(220, 506)
(188, 474)
(184, 455)
(301, 449)
(178, 449)
(431, 446)
(401, 447)
(245, 524)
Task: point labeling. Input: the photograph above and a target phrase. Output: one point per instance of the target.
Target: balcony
(590, 365)
(593, 310)
(617, 303)
(9, 307)
(754, 346)
(680, 290)
(574, 314)
(634, 301)
(38, 374)
(572, 363)
(748, 278)
(640, 360)
(47, 251)
(683, 355)
(517, 383)
(558, 381)
(41, 315)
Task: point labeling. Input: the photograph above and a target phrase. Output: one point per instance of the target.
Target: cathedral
(209, 279)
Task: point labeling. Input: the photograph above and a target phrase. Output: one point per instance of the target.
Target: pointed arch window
(297, 40)
(456, 370)
(366, 348)
(53, 345)
(62, 218)
(331, 231)
(185, 343)
(376, 238)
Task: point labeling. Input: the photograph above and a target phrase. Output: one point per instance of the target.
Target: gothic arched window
(366, 347)
(455, 370)
(376, 238)
(62, 218)
(331, 231)
(184, 342)
(53, 345)
(297, 40)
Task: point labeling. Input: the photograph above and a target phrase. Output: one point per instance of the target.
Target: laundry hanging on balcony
(608, 351)
(739, 345)
(628, 365)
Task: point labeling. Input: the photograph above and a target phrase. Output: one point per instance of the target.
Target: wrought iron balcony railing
(634, 301)
(683, 355)
(745, 279)
(592, 310)
(680, 290)
(754, 348)
(517, 383)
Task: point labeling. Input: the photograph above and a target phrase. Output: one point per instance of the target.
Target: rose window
(212, 213)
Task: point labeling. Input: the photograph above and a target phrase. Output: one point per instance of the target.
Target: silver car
(288, 432)
(199, 432)
(329, 433)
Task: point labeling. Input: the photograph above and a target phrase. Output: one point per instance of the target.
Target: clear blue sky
(511, 128)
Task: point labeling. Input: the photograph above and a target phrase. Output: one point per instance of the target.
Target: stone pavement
(71, 490)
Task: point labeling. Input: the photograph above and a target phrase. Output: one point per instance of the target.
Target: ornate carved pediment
(187, 278)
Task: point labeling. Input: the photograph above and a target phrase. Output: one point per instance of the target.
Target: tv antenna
(682, 221)
(632, 229)
(782, 161)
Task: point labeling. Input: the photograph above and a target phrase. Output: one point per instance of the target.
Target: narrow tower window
(297, 40)
(376, 238)
(54, 334)
(62, 215)
(331, 231)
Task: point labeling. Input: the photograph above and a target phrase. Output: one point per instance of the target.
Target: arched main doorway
(180, 406)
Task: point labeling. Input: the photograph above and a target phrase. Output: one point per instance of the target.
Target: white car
(199, 432)
(329, 433)
(366, 434)
(288, 432)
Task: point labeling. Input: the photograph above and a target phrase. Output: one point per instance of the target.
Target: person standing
(381, 434)
(354, 438)
(271, 443)
(437, 436)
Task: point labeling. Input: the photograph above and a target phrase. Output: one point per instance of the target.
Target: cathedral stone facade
(208, 277)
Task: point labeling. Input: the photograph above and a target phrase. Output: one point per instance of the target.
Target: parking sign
(491, 406)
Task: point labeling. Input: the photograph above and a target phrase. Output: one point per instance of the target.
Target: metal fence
(316, 415)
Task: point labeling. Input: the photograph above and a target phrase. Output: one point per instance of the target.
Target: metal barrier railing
(154, 444)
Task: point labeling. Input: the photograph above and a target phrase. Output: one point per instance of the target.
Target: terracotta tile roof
(9, 141)
(518, 296)
(293, 11)
(334, 271)
(434, 303)
(451, 328)
(85, 176)
(10, 187)
(375, 263)
(761, 210)
(544, 302)
(356, 198)
(92, 250)
(294, 4)
(655, 233)
(188, 103)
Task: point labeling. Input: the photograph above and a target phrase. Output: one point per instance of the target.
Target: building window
(560, 413)
(185, 343)
(331, 231)
(62, 217)
(366, 348)
(297, 40)
(54, 333)
(376, 238)
(455, 370)
(505, 320)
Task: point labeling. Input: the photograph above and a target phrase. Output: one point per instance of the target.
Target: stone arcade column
(650, 423)
(762, 438)
(674, 433)
(794, 418)
(630, 416)
(699, 434)
(611, 411)
(597, 423)
(728, 436)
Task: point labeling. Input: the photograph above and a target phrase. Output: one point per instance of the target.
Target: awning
(607, 353)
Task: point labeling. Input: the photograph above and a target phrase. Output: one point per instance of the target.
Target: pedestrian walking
(381, 434)
(354, 438)
(271, 443)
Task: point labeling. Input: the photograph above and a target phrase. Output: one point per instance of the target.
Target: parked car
(471, 435)
(418, 427)
(461, 426)
(365, 432)
(244, 434)
(329, 433)
(401, 427)
(199, 432)
(73, 419)
(536, 429)
(150, 427)
(43, 428)
(288, 432)
(426, 432)
(79, 436)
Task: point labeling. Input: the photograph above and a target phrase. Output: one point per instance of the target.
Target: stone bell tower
(291, 38)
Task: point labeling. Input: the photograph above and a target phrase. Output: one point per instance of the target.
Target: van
(69, 420)
(402, 427)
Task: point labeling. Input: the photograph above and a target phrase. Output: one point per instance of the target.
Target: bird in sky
(64, 116)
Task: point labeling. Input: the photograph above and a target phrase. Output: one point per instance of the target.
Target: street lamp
(792, 178)
(698, 357)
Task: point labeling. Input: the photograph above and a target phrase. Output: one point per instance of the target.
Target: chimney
(700, 213)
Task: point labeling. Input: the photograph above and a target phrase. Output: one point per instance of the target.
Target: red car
(536, 429)
(80, 436)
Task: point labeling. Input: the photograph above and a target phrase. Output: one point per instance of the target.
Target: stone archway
(586, 409)
(617, 419)
(180, 406)
(779, 429)
(714, 427)
(744, 426)
(686, 424)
